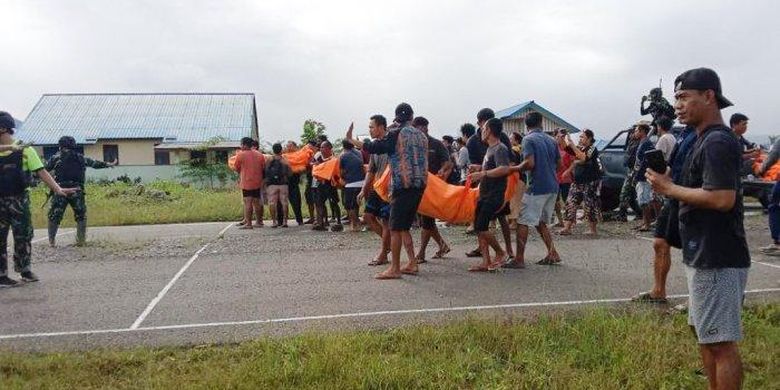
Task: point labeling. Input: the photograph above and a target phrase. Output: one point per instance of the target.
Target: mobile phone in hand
(655, 160)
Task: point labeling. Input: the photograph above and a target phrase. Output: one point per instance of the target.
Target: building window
(198, 157)
(221, 156)
(162, 157)
(111, 153)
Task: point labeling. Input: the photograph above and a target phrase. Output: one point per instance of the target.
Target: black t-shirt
(437, 155)
(477, 148)
(494, 187)
(711, 238)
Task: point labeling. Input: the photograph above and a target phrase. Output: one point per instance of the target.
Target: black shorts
(668, 224)
(252, 193)
(350, 198)
(487, 210)
(403, 207)
(427, 223)
(377, 207)
(327, 192)
(504, 210)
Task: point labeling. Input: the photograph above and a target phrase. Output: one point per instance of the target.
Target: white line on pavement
(58, 235)
(225, 229)
(165, 289)
(767, 264)
(340, 316)
(753, 261)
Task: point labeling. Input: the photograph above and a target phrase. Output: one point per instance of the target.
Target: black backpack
(71, 169)
(275, 173)
(14, 180)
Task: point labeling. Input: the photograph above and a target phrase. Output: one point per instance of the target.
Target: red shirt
(250, 165)
(566, 160)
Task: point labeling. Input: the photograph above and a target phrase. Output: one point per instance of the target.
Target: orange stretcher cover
(772, 174)
(299, 159)
(447, 202)
(329, 170)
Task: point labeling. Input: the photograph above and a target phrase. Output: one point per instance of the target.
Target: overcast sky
(338, 61)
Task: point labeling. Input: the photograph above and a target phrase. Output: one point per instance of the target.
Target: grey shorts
(535, 209)
(644, 193)
(715, 303)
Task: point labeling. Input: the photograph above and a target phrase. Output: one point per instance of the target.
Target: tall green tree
(311, 130)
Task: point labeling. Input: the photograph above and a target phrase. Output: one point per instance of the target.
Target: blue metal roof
(172, 117)
(533, 106)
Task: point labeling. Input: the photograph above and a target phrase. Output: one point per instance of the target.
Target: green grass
(593, 349)
(121, 204)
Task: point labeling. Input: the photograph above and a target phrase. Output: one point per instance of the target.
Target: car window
(619, 142)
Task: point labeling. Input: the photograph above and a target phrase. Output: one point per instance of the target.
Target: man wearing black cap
(16, 169)
(69, 167)
(715, 251)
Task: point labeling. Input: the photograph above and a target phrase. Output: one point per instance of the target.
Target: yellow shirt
(30, 160)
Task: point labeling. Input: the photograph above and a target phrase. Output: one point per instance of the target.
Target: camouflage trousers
(59, 203)
(15, 216)
(627, 194)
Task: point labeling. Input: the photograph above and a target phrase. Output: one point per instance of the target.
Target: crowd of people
(695, 205)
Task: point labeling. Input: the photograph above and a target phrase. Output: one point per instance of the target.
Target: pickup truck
(612, 155)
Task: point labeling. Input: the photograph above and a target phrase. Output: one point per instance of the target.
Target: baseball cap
(702, 79)
(7, 121)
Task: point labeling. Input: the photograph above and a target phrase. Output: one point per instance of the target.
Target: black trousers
(294, 194)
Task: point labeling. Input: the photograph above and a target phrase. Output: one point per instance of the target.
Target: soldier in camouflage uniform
(69, 167)
(18, 163)
(658, 106)
(628, 191)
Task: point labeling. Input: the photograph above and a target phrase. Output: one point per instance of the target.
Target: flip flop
(442, 252)
(407, 271)
(478, 268)
(474, 253)
(564, 233)
(547, 261)
(376, 262)
(245, 227)
(420, 261)
(645, 297)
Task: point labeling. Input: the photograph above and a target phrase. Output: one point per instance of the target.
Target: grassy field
(159, 202)
(596, 349)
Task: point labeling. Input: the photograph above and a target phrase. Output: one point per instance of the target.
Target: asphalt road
(145, 285)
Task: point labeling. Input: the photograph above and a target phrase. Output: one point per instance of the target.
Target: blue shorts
(377, 207)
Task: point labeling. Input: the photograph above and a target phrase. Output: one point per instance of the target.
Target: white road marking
(767, 264)
(753, 261)
(165, 289)
(58, 235)
(340, 316)
(225, 229)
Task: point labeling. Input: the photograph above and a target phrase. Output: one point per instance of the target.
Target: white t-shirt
(666, 144)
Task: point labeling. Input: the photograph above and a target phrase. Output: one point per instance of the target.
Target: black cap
(702, 79)
(403, 113)
(7, 121)
(67, 142)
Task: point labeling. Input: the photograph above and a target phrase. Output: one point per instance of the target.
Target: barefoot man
(406, 148)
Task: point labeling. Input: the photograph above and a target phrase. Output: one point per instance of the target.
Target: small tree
(205, 171)
(311, 130)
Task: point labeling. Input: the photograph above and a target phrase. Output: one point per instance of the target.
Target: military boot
(53, 233)
(81, 233)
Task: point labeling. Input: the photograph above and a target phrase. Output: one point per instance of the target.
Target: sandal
(478, 268)
(442, 252)
(408, 271)
(474, 253)
(548, 261)
(646, 297)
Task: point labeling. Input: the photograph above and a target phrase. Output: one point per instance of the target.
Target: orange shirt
(250, 165)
